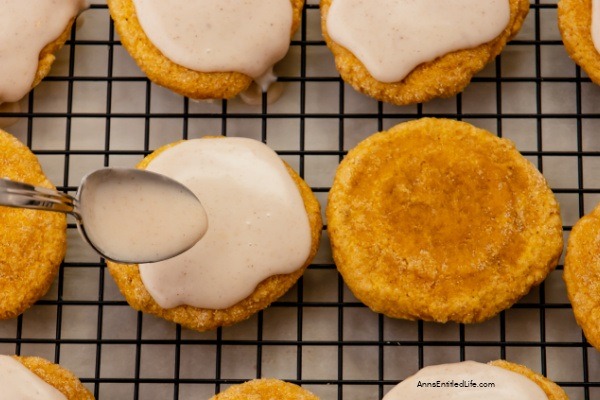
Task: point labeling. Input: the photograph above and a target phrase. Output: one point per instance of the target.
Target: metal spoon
(126, 215)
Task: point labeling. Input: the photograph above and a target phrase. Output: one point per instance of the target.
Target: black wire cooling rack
(97, 109)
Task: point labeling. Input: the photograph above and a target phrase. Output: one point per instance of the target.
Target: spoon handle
(23, 195)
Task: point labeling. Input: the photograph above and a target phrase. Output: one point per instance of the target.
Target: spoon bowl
(127, 215)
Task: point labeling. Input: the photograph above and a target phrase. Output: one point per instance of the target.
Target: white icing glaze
(596, 24)
(258, 223)
(247, 36)
(132, 219)
(17, 382)
(26, 27)
(395, 36)
(268, 84)
(508, 385)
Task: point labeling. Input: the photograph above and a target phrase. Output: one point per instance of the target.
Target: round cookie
(438, 220)
(443, 77)
(265, 389)
(582, 275)
(552, 390)
(164, 72)
(55, 375)
(32, 242)
(130, 283)
(575, 24)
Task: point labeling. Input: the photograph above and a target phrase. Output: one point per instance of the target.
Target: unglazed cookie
(30, 34)
(57, 377)
(265, 389)
(234, 271)
(582, 274)
(438, 220)
(443, 74)
(575, 24)
(502, 380)
(183, 77)
(32, 242)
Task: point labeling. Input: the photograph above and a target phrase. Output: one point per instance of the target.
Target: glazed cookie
(265, 389)
(580, 33)
(32, 242)
(30, 34)
(35, 376)
(212, 51)
(438, 220)
(264, 227)
(383, 52)
(582, 275)
(494, 381)
(551, 389)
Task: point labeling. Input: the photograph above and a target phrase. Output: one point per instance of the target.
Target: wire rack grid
(97, 109)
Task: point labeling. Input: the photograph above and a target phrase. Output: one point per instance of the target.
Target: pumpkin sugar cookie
(31, 32)
(438, 220)
(265, 389)
(577, 30)
(251, 254)
(32, 242)
(582, 274)
(207, 49)
(551, 389)
(55, 381)
(503, 380)
(383, 53)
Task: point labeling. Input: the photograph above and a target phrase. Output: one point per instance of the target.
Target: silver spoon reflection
(127, 215)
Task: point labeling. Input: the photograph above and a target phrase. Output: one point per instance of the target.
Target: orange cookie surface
(575, 24)
(439, 220)
(32, 242)
(582, 274)
(265, 389)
